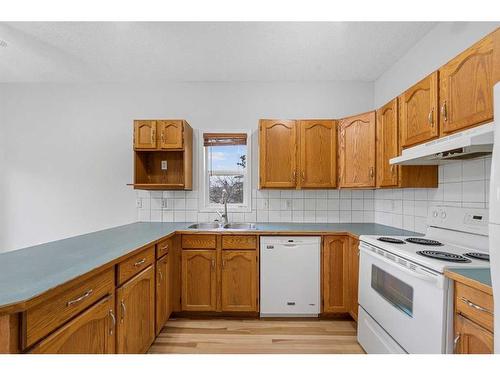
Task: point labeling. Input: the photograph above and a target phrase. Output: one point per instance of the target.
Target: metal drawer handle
(114, 322)
(165, 248)
(140, 262)
(81, 298)
(477, 307)
(124, 310)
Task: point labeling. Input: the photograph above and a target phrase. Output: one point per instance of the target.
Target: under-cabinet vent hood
(467, 144)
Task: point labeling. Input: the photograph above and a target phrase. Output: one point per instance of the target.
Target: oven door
(406, 300)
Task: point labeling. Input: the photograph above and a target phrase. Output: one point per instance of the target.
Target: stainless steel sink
(211, 225)
(242, 226)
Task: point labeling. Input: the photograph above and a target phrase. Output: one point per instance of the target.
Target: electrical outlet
(163, 165)
(138, 203)
(164, 203)
(288, 204)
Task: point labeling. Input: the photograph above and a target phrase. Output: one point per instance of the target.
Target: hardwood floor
(217, 336)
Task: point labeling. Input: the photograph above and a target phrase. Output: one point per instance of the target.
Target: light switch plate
(138, 203)
(163, 165)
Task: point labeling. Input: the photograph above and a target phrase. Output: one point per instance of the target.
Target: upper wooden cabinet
(163, 157)
(239, 280)
(199, 280)
(387, 144)
(317, 153)
(335, 274)
(357, 151)
(298, 154)
(388, 147)
(466, 88)
(419, 118)
(277, 153)
(136, 313)
(496, 56)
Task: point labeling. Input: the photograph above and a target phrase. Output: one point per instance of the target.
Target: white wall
(69, 147)
(442, 43)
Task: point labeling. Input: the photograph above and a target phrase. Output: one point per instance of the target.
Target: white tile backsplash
(461, 183)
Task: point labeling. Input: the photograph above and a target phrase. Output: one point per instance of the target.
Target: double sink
(219, 226)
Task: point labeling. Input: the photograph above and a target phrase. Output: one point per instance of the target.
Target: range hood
(467, 144)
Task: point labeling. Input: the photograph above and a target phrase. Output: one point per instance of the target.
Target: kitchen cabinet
(91, 332)
(357, 151)
(353, 276)
(466, 88)
(163, 289)
(163, 155)
(277, 154)
(239, 280)
(136, 313)
(471, 338)
(298, 154)
(199, 280)
(335, 274)
(387, 144)
(419, 117)
(317, 154)
(496, 56)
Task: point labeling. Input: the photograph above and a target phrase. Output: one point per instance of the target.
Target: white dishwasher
(289, 276)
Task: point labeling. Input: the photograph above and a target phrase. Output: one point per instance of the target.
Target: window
(226, 166)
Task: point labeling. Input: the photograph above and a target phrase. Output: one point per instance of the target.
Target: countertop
(31, 271)
(479, 278)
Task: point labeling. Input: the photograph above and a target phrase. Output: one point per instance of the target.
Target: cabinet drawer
(239, 242)
(43, 318)
(474, 304)
(162, 248)
(135, 264)
(198, 241)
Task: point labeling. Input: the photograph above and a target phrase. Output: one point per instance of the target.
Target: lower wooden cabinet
(199, 280)
(335, 274)
(471, 338)
(136, 313)
(91, 332)
(353, 260)
(239, 280)
(163, 285)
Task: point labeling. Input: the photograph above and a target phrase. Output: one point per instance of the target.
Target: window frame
(204, 204)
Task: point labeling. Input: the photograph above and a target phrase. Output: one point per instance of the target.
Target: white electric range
(405, 301)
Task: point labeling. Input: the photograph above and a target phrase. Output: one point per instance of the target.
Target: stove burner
(424, 241)
(480, 256)
(391, 240)
(441, 255)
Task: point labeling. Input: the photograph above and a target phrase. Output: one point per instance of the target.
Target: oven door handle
(427, 276)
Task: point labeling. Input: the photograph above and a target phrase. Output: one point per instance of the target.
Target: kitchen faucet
(225, 198)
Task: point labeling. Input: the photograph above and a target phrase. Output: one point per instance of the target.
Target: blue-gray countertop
(480, 275)
(31, 271)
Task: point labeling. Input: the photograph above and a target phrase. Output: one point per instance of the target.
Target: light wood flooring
(214, 336)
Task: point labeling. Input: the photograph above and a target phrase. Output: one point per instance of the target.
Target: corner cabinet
(163, 155)
(277, 154)
(335, 260)
(419, 117)
(353, 271)
(466, 88)
(136, 313)
(357, 151)
(163, 286)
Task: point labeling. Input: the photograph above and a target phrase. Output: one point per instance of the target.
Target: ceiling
(202, 51)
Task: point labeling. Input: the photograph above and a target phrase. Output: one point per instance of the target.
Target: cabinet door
(335, 274)
(239, 280)
(91, 332)
(163, 303)
(387, 144)
(353, 278)
(466, 88)
(170, 133)
(318, 154)
(144, 134)
(471, 338)
(357, 151)
(136, 313)
(199, 280)
(277, 153)
(418, 112)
